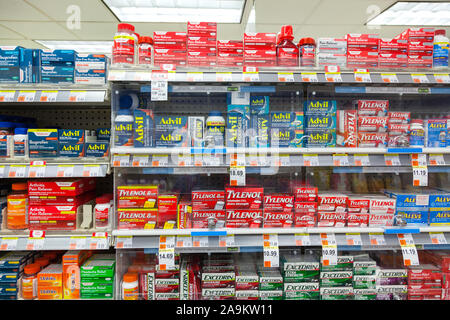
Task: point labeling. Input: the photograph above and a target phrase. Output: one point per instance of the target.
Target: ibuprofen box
(143, 128)
(319, 121)
(66, 187)
(320, 138)
(208, 200)
(98, 149)
(244, 197)
(244, 218)
(130, 219)
(43, 143)
(320, 107)
(137, 196)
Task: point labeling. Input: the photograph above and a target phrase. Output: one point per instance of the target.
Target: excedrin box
(244, 197)
(203, 219)
(208, 200)
(392, 277)
(130, 219)
(276, 202)
(270, 280)
(218, 280)
(364, 281)
(244, 218)
(392, 292)
(218, 294)
(303, 268)
(137, 196)
(247, 295)
(320, 106)
(336, 278)
(364, 266)
(271, 295)
(336, 293)
(302, 291)
(365, 294)
(247, 280)
(66, 187)
(344, 263)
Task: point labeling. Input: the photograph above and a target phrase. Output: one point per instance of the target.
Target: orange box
(71, 262)
(49, 292)
(51, 276)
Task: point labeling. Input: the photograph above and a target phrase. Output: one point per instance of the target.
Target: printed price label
(166, 242)
(160, 160)
(184, 241)
(36, 171)
(7, 95)
(422, 200)
(199, 241)
(250, 76)
(99, 241)
(8, 243)
(141, 160)
(405, 239)
(198, 160)
(419, 78)
(48, 96)
(194, 76)
(333, 76)
(420, 176)
(302, 239)
(17, 171)
(409, 251)
(285, 77)
(389, 77)
(438, 238)
(159, 90)
(166, 259)
(91, 170)
(77, 96)
(362, 75)
(436, 160)
(224, 76)
(184, 160)
(77, 243)
(270, 240)
(392, 159)
(237, 176)
(328, 239)
(271, 257)
(329, 255)
(226, 241)
(377, 239)
(212, 160)
(361, 160)
(121, 160)
(2, 171)
(340, 160)
(26, 96)
(418, 159)
(36, 240)
(442, 78)
(251, 160)
(310, 160)
(64, 170)
(353, 239)
(124, 242)
(309, 77)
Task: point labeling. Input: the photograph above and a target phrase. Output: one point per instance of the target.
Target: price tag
(124, 242)
(333, 76)
(184, 241)
(7, 95)
(422, 200)
(91, 170)
(184, 160)
(212, 160)
(285, 77)
(226, 241)
(17, 171)
(285, 160)
(420, 176)
(198, 160)
(159, 90)
(270, 240)
(194, 76)
(361, 160)
(309, 77)
(362, 75)
(328, 239)
(392, 159)
(224, 76)
(140, 160)
(37, 171)
(160, 160)
(302, 239)
(8, 243)
(419, 78)
(438, 238)
(329, 255)
(142, 76)
(77, 243)
(77, 96)
(26, 96)
(64, 170)
(166, 242)
(199, 241)
(389, 77)
(237, 170)
(436, 160)
(48, 96)
(310, 160)
(271, 257)
(442, 78)
(251, 160)
(377, 239)
(340, 160)
(99, 241)
(2, 171)
(36, 240)
(418, 159)
(166, 259)
(250, 76)
(409, 251)
(121, 160)
(353, 239)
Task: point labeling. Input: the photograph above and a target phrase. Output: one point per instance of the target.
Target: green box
(365, 294)
(336, 278)
(271, 295)
(94, 268)
(341, 293)
(300, 268)
(302, 291)
(364, 281)
(364, 266)
(97, 296)
(344, 263)
(96, 287)
(270, 281)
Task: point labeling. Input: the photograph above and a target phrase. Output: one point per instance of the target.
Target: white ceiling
(22, 21)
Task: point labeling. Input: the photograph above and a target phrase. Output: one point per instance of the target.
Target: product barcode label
(329, 255)
(140, 160)
(36, 240)
(333, 76)
(160, 160)
(361, 160)
(310, 160)
(184, 241)
(409, 251)
(184, 160)
(2, 171)
(159, 90)
(418, 159)
(270, 240)
(353, 239)
(226, 241)
(419, 78)
(99, 241)
(26, 96)
(389, 77)
(302, 239)
(442, 78)
(124, 242)
(224, 76)
(7, 95)
(237, 176)
(392, 159)
(362, 75)
(64, 171)
(340, 160)
(328, 239)
(436, 160)
(48, 96)
(285, 77)
(121, 160)
(17, 171)
(77, 96)
(8, 243)
(77, 243)
(377, 239)
(309, 77)
(250, 76)
(438, 238)
(91, 170)
(200, 241)
(36, 171)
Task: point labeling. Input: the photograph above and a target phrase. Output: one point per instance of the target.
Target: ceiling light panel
(79, 46)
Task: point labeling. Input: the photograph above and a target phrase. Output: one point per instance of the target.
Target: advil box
(278, 219)
(72, 187)
(244, 218)
(130, 219)
(203, 219)
(137, 196)
(244, 197)
(278, 202)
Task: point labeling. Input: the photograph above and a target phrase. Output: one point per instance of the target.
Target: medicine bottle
(130, 286)
(215, 130)
(417, 133)
(440, 49)
(29, 281)
(123, 126)
(17, 207)
(145, 51)
(102, 211)
(123, 52)
(287, 51)
(20, 142)
(307, 48)
(6, 134)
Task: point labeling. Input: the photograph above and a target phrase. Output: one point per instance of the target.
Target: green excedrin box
(302, 291)
(365, 294)
(341, 293)
(270, 281)
(336, 278)
(300, 268)
(95, 268)
(364, 281)
(344, 263)
(363, 265)
(271, 295)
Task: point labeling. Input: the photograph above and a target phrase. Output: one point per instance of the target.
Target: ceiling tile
(23, 43)
(6, 33)
(284, 12)
(317, 31)
(18, 10)
(94, 30)
(41, 30)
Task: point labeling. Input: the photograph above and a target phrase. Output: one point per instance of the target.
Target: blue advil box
(99, 149)
(143, 128)
(73, 136)
(320, 106)
(321, 121)
(167, 122)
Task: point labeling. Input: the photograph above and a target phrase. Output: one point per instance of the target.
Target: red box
(173, 45)
(244, 197)
(424, 292)
(305, 194)
(167, 285)
(201, 42)
(331, 219)
(347, 128)
(360, 55)
(398, 128)
(259, 54)
(184, 214)
(363, 41)
(278, 219)
(201, 55)
(201, 27)
(208, 200)
(399, 117)
(393, 46)
(305, 207)
(372, 124)
(261, 41)
(130, 219)
(392, 60)
(372, 139)
(418, 61)
(332, 202)
(53, 217)
(201, 218)
(413, 34)
(228, 63)
(358, 211)
(170, 61)
(244, 218)
(278, 202)
(167, 209)
(170, 54)
(60, 201)
(381, 211)
(425, 284)
(305, 220)
(230, 45)
(260, 62)
(420, 48)
(65, 188)
(356, 63)
(424, 272)
(137, 196)
(169, 36)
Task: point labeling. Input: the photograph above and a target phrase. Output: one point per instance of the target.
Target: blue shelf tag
(208, 233)
(404, 150)
(401, 230)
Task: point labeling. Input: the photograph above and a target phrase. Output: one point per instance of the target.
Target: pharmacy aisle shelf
(54, 240)
(54, 168)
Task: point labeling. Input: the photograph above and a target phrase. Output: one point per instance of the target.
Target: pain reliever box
(143, 128)
(72, 136)
(136, 218)
(99, 149)
(137, 196)
(43, 143)
(435, 133)
(98, 268)
(320, 106)
(60, 58)
(65, 187)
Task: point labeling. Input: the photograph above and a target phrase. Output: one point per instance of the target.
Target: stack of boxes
(332, 210)
(247, 281)
(286, 129)
(381, 211)
(398, 128)
(71, 143)
(407, 206)
(358, 210)
(440, 259)
(362, 50)
(97, 277)
(270, 283)
(244, 207)
(439, 208)
(436, 131)
(420, 46)
(169, 48)
(218, 279)
(208, 209)
(260, 49)
(201, 44)
(320, 129)
(332, 52)
(71, 264)
(90, 69)
(50, 283)
(305, 206)
(372, 123)
(278, 210)
(19, 65)
(171, 131)
(230, 53)
(58, 66)
(301, 275)
(57, 204)
(392, 284)
(259, 122)
(424, 282)
(364, 278)
(336, 281)
(11, 269)
(393, 53)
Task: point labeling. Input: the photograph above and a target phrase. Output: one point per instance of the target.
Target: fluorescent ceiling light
(221, 11)
(79, 46)
(407, 13)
